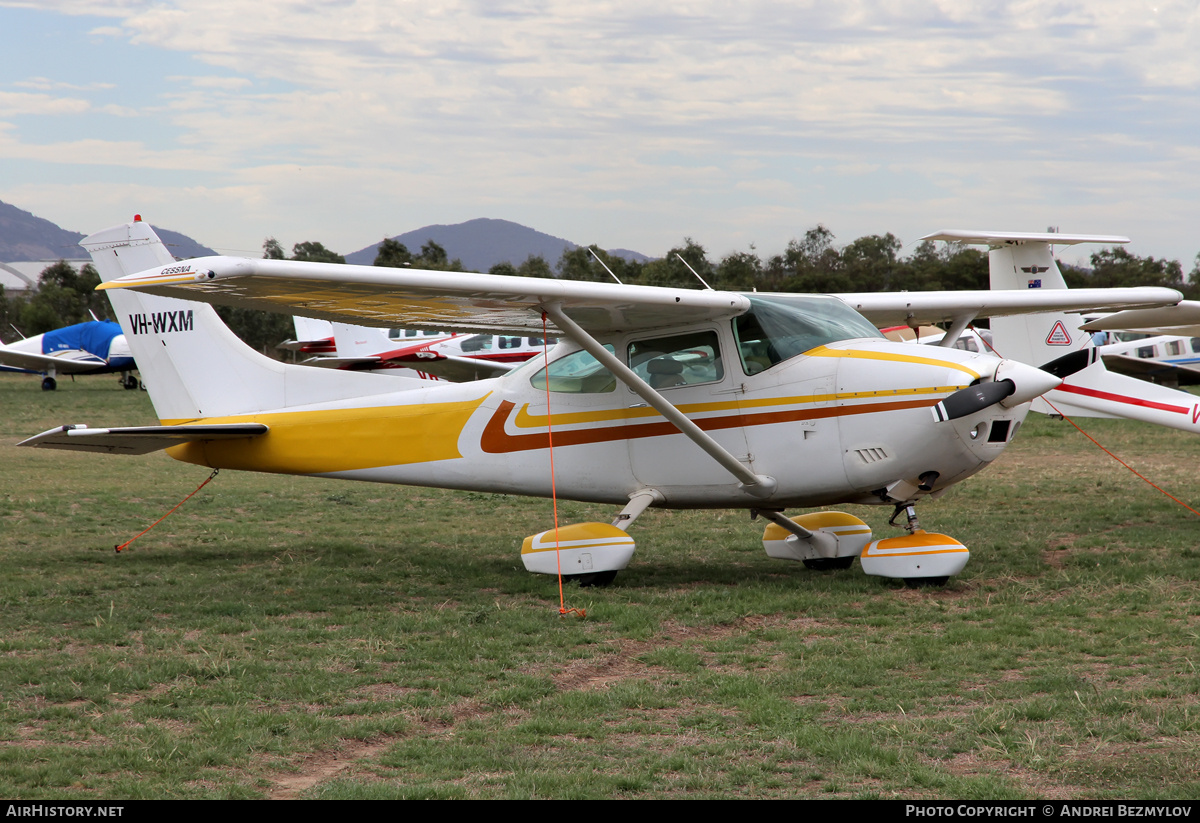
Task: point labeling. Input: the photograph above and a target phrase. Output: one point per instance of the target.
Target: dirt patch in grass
(322, 766)
(972, 765)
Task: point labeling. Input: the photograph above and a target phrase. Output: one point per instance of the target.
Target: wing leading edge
(373, 296)
(368, 295)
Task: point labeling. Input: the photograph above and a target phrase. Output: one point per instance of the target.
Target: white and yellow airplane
(666, 397)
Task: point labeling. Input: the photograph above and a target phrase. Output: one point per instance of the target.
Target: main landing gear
(128, 381)
(49, 384)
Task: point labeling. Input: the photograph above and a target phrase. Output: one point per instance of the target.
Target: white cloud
(18, 103)
(665, 113)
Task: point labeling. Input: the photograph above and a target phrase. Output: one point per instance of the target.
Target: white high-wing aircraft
(427, 355)
(664, 397)
(1061, 343)
(94, 347)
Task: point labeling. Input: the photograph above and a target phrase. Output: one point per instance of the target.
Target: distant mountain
(26, 237)
(482, 243)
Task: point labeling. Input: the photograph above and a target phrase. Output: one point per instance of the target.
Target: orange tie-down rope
(562, 605)
(168, 514)
(1098, 445)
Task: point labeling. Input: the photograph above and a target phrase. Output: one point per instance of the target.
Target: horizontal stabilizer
(137, 439)
(1001, 238)
(457, 368)
(339, 362)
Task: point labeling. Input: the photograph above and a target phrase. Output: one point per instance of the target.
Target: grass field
(290, 637)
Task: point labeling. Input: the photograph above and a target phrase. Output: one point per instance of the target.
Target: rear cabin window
(679, 360)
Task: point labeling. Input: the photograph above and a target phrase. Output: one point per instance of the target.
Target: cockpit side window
(780, 327)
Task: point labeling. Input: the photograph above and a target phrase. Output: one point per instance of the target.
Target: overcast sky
(627, 124)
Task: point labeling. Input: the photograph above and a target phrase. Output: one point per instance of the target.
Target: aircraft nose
(1028, 382)
(1012, 384)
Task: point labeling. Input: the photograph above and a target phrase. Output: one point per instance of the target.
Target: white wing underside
(1182, 320)
(386, 297)
(67, 362)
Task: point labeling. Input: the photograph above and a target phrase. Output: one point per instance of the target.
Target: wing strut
(956, 329)
(756, 484)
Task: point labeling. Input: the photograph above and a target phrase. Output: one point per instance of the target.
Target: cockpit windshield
(781, 326)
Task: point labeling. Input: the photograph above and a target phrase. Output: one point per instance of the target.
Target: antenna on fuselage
(606, 268)
(693, 271)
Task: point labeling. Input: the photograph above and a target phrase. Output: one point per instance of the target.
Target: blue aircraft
(95, 347)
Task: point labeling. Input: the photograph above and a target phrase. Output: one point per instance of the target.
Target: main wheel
(49, 384)
(129, 381)
(596, 579)
(824, 564)
(922, 582)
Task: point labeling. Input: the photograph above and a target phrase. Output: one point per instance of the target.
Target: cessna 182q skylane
(665, 397)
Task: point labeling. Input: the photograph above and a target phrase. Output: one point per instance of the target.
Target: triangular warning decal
(1058, 335)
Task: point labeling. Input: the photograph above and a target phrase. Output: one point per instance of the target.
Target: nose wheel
(920, 558)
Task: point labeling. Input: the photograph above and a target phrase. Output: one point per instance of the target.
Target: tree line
(813, 263)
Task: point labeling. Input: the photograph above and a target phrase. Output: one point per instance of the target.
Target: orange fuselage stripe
(496, 440)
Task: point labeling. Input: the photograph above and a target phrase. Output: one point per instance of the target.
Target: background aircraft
(664, 397)
(429, 355)
(95, 347)
(1062, 342)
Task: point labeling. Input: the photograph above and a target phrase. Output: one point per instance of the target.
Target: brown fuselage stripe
(496, 440)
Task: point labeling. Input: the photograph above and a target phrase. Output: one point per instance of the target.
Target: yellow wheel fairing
(838, 523)
(916, 555)
(850, 534)
(580, 548)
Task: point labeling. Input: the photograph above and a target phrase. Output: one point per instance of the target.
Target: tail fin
(193, 365)
(309, 330)
(1037, 338)
(360, 341)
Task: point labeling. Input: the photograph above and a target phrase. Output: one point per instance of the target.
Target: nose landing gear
(920, 558)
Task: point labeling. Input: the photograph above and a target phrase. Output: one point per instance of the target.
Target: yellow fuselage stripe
(858, 354)
(310, 442)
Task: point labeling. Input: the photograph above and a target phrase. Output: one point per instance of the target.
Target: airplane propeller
(1014, 383)
(973, 399)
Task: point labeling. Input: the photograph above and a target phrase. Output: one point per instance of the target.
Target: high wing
(65, 362)
(138, 439)
(915, 308)
(1182, 319)
(1155, 371)
(374, 296)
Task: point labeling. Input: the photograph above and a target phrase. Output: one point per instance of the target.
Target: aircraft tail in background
(1025, 261)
